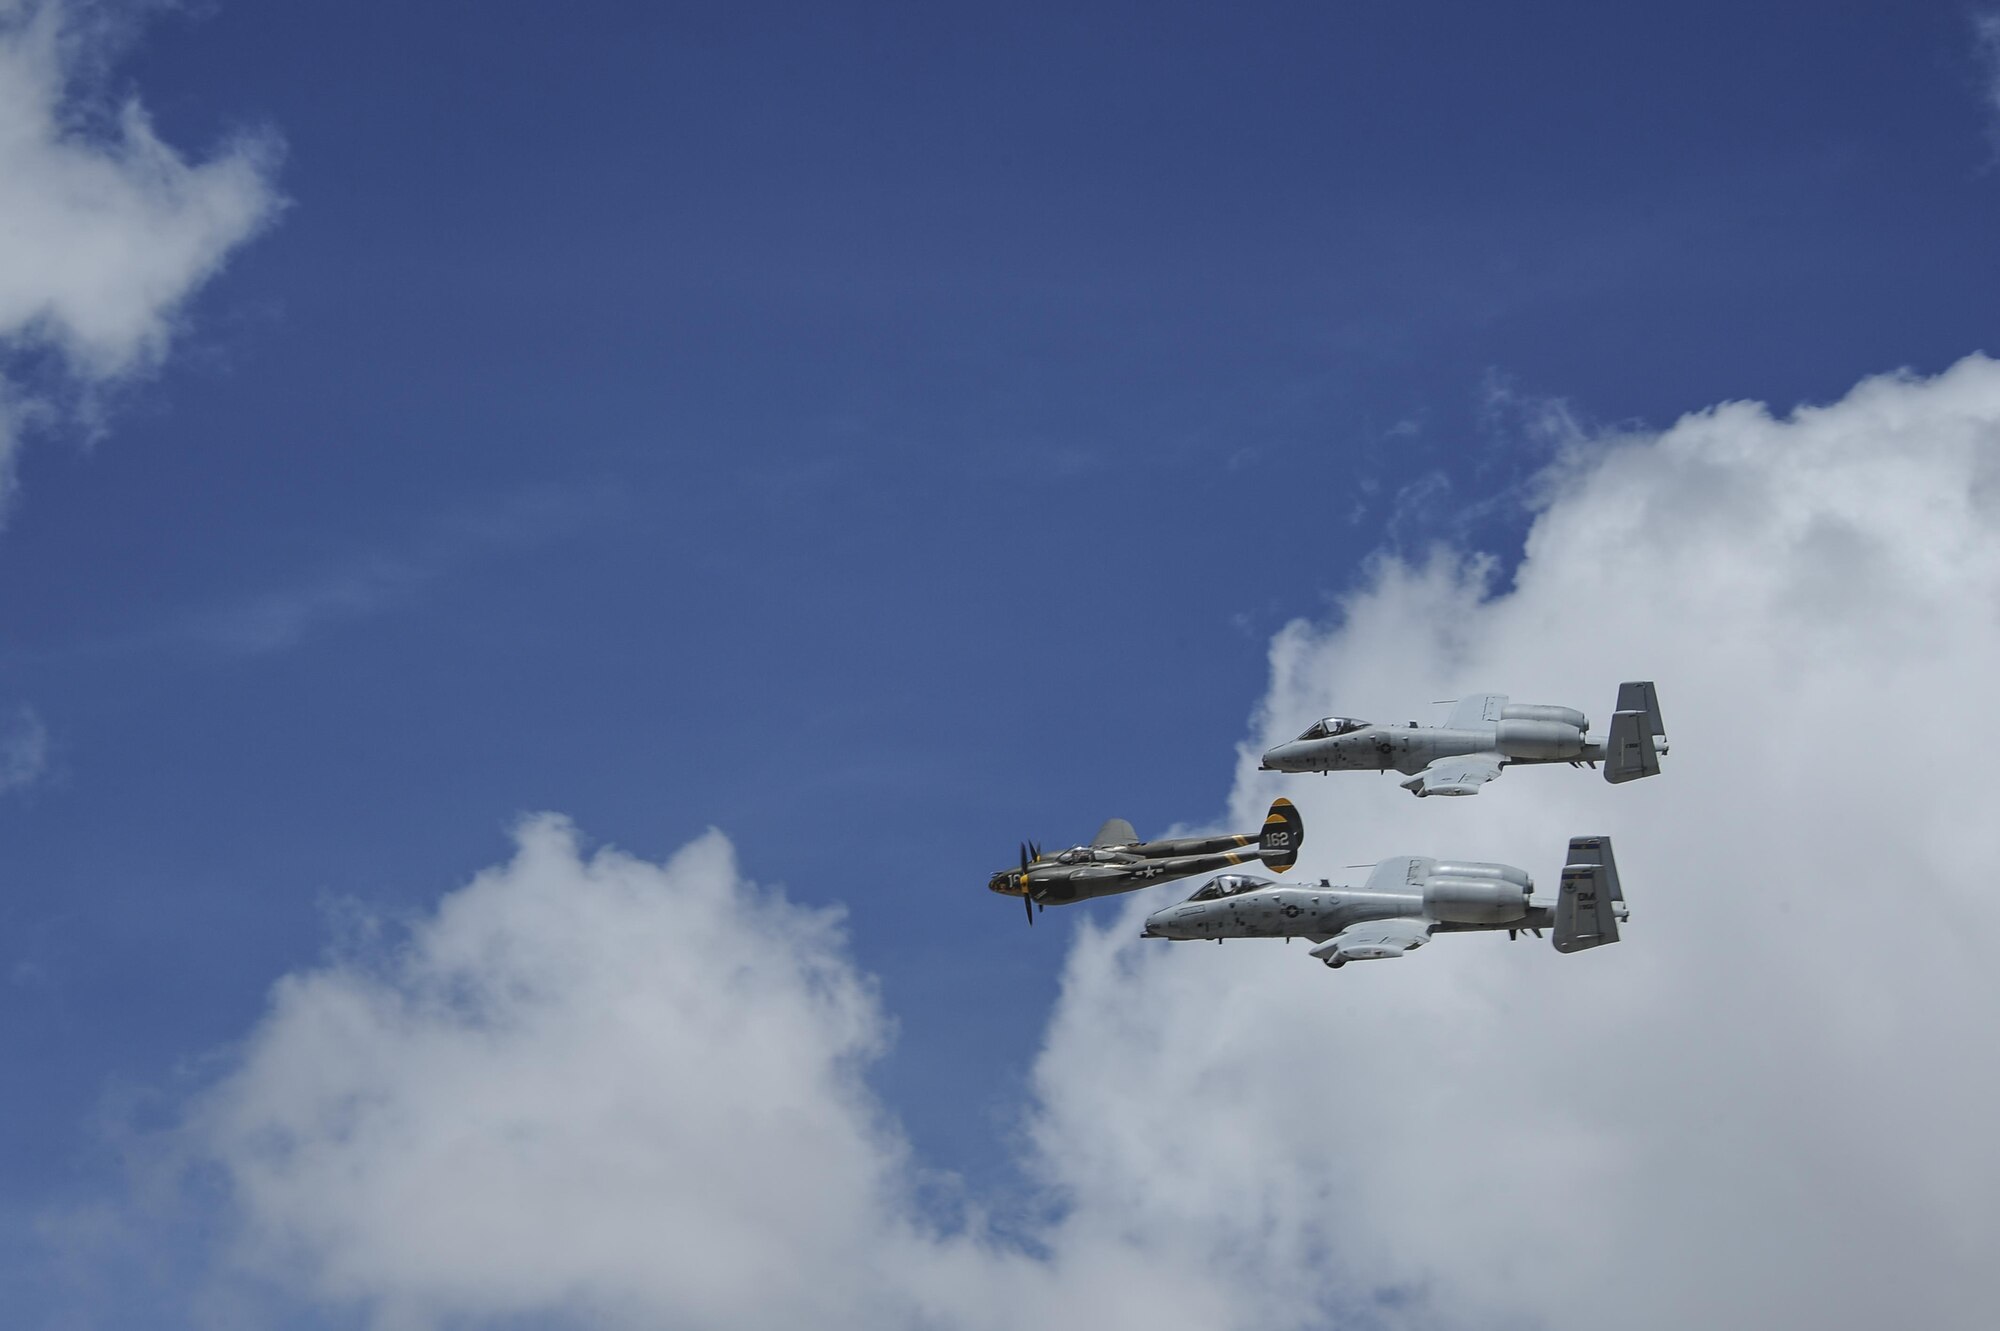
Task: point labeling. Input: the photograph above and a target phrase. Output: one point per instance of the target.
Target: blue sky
(881, 435)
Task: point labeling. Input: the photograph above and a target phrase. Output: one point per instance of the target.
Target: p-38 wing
(1138, 872)
(1461, 774)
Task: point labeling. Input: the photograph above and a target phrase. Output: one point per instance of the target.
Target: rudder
(1630, 751)
(1639, 695)
(1284, 832)
(1591, 901)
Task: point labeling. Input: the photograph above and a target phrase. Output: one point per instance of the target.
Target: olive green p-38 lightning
(1117, 861)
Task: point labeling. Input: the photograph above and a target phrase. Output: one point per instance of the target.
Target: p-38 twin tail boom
(1483, 734)
(1117, 861)
(1404, 902)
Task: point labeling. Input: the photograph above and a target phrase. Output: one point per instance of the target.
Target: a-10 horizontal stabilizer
(1591, 902)
(1631, 752)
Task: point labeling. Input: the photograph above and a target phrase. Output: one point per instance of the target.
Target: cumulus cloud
(600, 1090)
(105, 230)
(591, 1083)
(594, 1088)
(1766, 1105)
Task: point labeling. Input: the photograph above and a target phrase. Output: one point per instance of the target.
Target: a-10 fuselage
(1405, 901)
(1449, 895)
(1484, 734)
(1562, 736)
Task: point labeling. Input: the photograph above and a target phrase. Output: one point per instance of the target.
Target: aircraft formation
(1406, 900)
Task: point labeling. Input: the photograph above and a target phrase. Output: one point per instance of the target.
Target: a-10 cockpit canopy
(1230, 885)
(1331, 726)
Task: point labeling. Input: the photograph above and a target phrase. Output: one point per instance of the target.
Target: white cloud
(275, 621)
(368, 582)
(585, 1083)
(1986, 47)
(104, 229)
(621, 1093)
(24, 749)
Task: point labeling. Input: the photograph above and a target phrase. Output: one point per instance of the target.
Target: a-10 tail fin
(1631, 751)
(1284, 832)
(1591, 901)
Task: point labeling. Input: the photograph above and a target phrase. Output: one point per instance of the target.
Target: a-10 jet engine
(1404, 902)
(1534, 731)
(1455, 893)
(1484, 733)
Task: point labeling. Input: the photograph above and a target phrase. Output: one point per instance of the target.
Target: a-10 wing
(1374, 939)
(1461, 774)
(1475, 710)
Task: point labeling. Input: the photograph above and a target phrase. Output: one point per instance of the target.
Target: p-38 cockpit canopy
(1229, 885)
(1333, 725)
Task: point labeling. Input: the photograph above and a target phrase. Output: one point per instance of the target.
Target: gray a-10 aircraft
(1483, 734)
(1404, 902)
(1117, 861)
